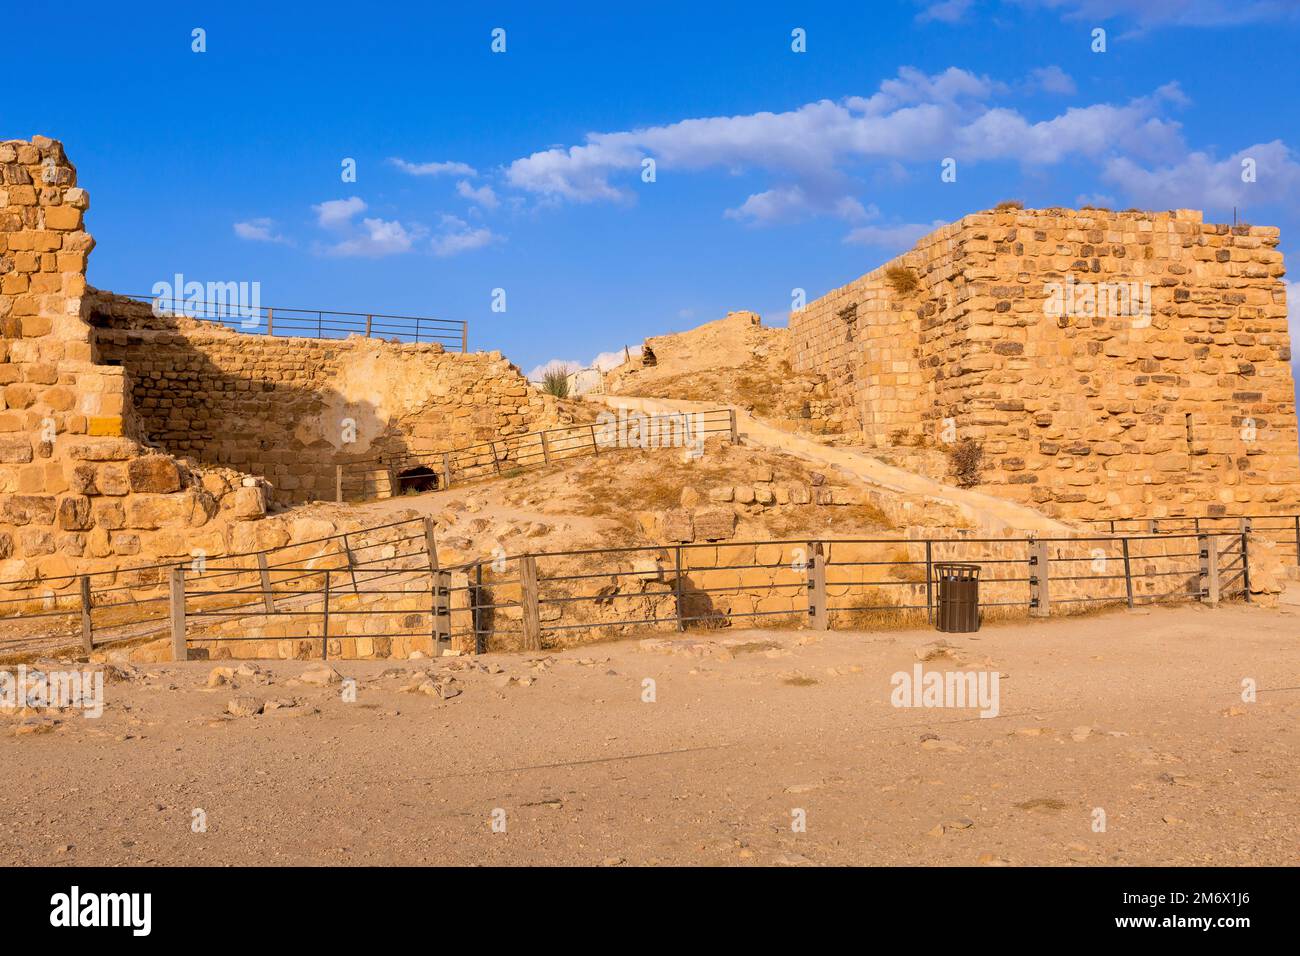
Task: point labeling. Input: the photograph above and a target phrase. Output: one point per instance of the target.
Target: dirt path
(1136, 713)
(983, 511)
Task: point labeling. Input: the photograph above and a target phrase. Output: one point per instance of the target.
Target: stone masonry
(1110, 364)
(291, 409)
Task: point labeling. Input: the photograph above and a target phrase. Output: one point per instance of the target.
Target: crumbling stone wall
(291, 409)
(1084, 411)
(77, 487)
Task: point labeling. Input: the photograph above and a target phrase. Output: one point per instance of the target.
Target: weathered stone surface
(153, 474)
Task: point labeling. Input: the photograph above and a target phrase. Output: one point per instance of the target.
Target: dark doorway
(415, 480)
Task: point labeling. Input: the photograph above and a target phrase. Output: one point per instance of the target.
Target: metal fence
(394, 475)
(1281, 529)
(381, 591)
(532, 601)
(314, 323)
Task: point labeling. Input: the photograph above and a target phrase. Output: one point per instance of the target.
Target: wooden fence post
(87, 635)
(818, 612)
(1040, 597)
(179, 651)
(595, 445)
(735, 435)
(546, 450)
(338, 484)
(929, 581)
(325, 622)
(441, 608)
(264, 575)
(1128, 573)
(352, 563)
(430, 544)
(532, 620)
(446, 469)
(1208, 548)
(369, 320)
(270, 321)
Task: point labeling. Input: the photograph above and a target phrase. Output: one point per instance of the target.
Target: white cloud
(946, 11)
(457, 236)
(813, 150)
(1188, 13)
(377, 238)
(484, 195)
(449, 168)
(897, 238)
(1198, 181)
(337, 213)
(259, 230)
(1053, 79)
(602, 362)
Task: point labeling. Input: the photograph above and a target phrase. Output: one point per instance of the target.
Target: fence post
(446, 469)
(87, 635)
(1128, 573)
(338, 484)
(1207, 547)
(352, 563)
(325, 622)
(532, 621)
(546, 449)
(595, 445)
(1040, 599)
(1297, 539)
(677, 587)
(735, 435)
(179, 652)
(480, 638)
(264, 575)
(1245, 526)
(368, 321)
(818, 613)
(270, 321)
(1245, 565)
(430, 544)
(441, 608)
(929, 581)
(496, 462)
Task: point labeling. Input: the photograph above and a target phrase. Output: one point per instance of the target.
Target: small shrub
(902, 279)
(1008, 204)
(964, 461)
(555, 381)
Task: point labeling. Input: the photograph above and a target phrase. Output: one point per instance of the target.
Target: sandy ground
(1135, 712)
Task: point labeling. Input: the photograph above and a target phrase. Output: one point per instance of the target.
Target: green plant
(555, 381)
(964, 461)
(902, 279)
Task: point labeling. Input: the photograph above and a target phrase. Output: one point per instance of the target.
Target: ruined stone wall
(1092, 410)
(77, 488)
(291, 409)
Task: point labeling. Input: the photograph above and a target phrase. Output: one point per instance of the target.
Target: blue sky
(521, 170)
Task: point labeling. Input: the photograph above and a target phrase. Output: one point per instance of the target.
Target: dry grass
(1007, 205)
(902, 280)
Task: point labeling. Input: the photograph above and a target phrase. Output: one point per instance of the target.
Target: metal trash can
(959, 598)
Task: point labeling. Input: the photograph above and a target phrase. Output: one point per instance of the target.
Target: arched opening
(412, 481)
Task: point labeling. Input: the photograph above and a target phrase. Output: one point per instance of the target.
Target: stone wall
(1084, 408)
(291, 409)
(78, 489)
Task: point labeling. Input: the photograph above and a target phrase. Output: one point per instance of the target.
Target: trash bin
(959, 598)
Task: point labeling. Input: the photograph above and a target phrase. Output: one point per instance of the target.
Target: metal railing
(1281, 529)
(394, 475)
(530, 601)
(314, 323)
(391, 573)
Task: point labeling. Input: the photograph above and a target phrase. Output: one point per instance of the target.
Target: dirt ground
(1138, 713)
